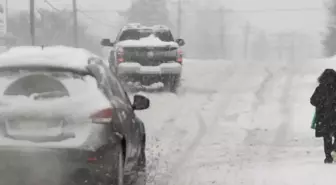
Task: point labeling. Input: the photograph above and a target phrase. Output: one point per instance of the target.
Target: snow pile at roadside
(147, 41)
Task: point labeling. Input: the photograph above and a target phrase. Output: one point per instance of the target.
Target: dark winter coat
(324, 99)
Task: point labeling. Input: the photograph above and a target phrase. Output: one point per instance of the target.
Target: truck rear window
(137, 34)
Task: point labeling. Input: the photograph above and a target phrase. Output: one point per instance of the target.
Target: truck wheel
(172, 83)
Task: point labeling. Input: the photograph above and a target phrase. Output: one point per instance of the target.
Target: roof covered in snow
(54, 56)
(150, 41)
(140, 26)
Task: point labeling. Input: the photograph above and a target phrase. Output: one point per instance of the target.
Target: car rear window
(53, 92)
(30, 82)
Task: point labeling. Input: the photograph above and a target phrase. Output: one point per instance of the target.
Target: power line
(32, 21)
(96, 20)
(179, 18)
(100, 11)
(83, 12)
(232, 10)
(75, 22)
(281, 10)
(52, 6)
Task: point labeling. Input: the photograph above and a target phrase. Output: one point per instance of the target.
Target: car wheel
(140, 175)
(81, 177)
(115, 170)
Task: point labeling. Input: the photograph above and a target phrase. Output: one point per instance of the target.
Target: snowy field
(237, 123)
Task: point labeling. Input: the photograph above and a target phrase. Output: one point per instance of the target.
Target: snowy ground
(237, 123)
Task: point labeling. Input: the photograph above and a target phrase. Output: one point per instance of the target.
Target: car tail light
(179, 56)
(103, 116)
(120, 55)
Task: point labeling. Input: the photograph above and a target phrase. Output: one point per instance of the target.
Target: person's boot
(328, 159)
(328, 148)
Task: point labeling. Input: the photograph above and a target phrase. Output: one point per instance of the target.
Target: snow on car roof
(53, 56)
(140, 26)
(150, 41)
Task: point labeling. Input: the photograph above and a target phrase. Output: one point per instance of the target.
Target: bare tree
(329, 41)
(52, 28)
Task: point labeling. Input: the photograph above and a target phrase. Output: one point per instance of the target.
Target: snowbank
(147, 41)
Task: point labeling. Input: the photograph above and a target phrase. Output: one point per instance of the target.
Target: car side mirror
(106, 42)
(140, 102)
(180, 42)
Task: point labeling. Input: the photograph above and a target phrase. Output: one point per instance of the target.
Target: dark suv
(65, 119)
(147, 55)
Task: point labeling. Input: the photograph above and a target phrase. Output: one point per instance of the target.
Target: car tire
(141, 175)
(115, 173)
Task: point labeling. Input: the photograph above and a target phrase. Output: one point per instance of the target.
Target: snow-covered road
(237, 123)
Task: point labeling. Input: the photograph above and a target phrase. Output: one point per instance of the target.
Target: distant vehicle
(147, 55)
(65, 119)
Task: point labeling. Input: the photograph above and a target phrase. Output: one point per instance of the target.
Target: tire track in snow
(224, 102)
(251, 134)
(203, 129)
(265, 151)
(260, 93)
(229, 92)
(169, 136)
(156, 166)
(262, 86)
(234, 169)
(283, 129)
(269, 151)
(267, 82)
(187, 99)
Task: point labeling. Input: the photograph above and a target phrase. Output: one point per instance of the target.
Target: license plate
(151, 69)
(150, 54)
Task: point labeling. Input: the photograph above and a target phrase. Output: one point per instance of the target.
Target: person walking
(324, 100)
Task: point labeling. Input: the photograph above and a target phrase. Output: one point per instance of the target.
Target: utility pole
(32, 21)
(293, 47)
(179, 18)
(247, 31)
(6, 15)
(75, 23)
(280, 46)
(221, 32)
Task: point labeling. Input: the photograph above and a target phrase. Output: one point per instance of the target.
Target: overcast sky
(304, 20)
